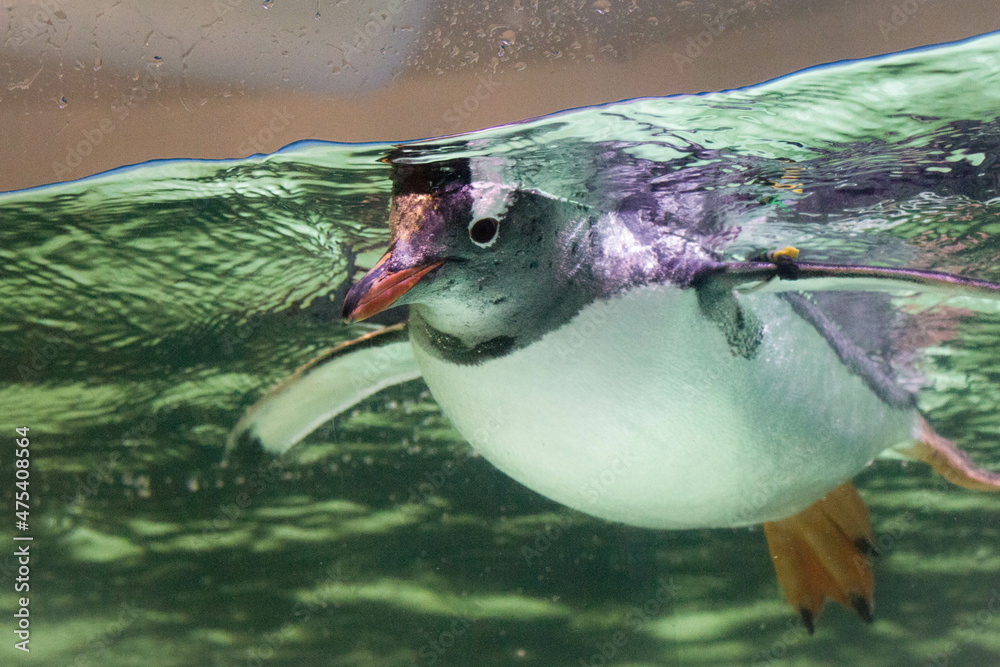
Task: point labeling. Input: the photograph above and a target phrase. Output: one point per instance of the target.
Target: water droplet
(267, 4)
(520, 66)
(652, 20)
(507, 38)
(602, 6)
(97, 63)
(63, 102)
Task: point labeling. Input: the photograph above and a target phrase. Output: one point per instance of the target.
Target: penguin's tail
(949, 461)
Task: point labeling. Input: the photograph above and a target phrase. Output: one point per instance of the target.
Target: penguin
(611, 360)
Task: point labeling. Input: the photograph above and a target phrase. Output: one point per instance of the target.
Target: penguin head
(476, 256)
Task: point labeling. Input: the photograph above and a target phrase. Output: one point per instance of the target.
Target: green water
(144, 309)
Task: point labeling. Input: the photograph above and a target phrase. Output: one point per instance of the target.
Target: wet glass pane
(614, 380)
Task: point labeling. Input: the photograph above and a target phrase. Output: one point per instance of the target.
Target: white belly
(636, 411)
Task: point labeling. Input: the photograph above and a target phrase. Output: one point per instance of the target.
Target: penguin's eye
(483, 232)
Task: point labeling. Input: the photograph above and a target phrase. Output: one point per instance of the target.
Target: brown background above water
(131, 93)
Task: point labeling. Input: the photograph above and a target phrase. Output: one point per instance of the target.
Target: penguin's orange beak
(380, 288)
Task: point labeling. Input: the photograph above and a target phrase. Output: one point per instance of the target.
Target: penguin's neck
(598, 261)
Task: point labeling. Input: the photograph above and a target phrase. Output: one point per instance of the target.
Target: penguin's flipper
(326, 386)
(823, 552)
(759, 276)
(742, 329)
(947, 460)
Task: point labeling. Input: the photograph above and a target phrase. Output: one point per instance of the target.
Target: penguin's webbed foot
(823, 552)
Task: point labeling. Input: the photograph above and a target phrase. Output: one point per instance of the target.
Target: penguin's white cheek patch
(490, 200)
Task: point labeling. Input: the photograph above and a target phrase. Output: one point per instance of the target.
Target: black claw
(863, 607)
(866, 546)
(807, 619)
